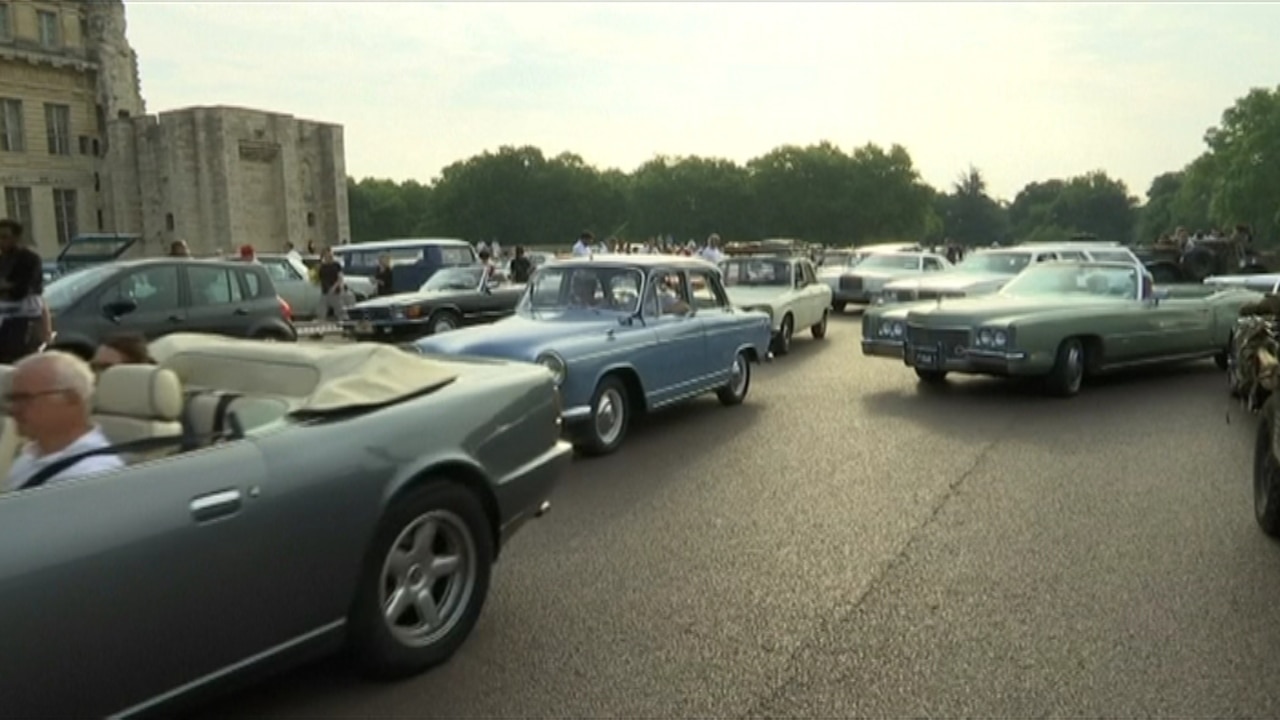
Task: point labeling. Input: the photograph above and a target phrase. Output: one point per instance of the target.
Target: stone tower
(119, 87)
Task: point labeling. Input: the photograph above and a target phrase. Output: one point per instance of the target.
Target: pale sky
(1024, 91)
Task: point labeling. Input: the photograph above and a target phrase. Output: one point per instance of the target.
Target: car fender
(456, 466)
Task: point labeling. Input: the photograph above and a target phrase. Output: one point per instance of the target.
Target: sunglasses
(18, 398)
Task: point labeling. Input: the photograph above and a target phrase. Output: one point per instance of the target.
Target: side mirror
(1158, 294)
(119, 308)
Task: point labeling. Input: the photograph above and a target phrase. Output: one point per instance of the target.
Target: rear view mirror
(119, 308)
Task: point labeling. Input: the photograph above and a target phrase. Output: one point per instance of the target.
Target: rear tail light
(285, 310)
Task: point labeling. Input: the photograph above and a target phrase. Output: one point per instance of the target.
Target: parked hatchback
(160, 296)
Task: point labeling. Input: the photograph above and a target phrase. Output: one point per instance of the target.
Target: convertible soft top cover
(317, 378)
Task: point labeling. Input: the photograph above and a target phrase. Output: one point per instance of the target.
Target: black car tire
(819, 331)
(446, 319)
(269, 335)
(736, 391)
(592, 441)
(931, 377)
(838, 306)
(782, 343)
(1266, 477)
(1067, 375)
(377, 651)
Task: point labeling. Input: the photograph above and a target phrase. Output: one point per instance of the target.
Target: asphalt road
(845, 544)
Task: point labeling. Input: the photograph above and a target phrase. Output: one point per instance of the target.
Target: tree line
(821, 193)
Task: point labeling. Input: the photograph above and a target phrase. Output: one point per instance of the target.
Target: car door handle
(240, 311)
(215, 505)
(175, 318)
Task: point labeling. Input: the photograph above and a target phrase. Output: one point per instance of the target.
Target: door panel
(682, 355)
(217, 303)
(157, 292)
(168, 569)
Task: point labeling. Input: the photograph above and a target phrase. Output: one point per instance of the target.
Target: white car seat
(133, 402)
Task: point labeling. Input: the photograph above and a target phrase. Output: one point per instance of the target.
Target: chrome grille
(928, 295)
(381, 313)
(904, 295)
(948, 340)
(850, 282)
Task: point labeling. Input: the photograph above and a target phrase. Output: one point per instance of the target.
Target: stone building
(79, 154)
(65, 70)
(220, 177)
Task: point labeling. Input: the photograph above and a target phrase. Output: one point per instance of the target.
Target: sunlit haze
(1024, 92)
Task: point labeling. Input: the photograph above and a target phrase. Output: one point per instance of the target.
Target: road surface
(847, 545)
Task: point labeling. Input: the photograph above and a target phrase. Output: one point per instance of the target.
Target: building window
(6, 22)
(168, 222)
(57, 122)
(311, 219)
(50, 35)
(97, 149)
(97, 182)
(101, 224)
(11, 137)
(64, 212)
(17, 206)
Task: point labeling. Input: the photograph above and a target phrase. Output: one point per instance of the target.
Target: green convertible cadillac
(1061, 321)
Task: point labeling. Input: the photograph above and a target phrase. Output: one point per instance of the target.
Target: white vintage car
(785, 287)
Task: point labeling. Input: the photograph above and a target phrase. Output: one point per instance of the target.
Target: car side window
(932, 264)
(252, 283)
(153, 289)
(211, 286)
(671, 292)
(703, 285)
(280, 270)
(810, 273)
(1071, 255)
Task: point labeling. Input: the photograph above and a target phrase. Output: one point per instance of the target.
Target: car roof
(645, 261)
(143, 262)
(384, 244)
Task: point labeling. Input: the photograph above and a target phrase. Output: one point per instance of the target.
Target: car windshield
(67, 289)
(1009, 263)
(754, 272)
(839, 259)
(1076, 279)
(890, 261)
(583, 287)
(465, 278)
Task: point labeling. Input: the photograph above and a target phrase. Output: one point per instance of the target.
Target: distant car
(986, 271)
(1061, 321)
(452, 298)
(785, 288)
(159, 296)
(254, 533)
(624, 335)
(859, 284)
(292, 279)
(413, 260)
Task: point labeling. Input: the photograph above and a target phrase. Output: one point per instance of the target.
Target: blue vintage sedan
(623, 334)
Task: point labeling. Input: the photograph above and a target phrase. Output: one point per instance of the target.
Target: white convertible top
(314, 377)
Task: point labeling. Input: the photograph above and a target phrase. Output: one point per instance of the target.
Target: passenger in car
(51, 400)
(121, 349)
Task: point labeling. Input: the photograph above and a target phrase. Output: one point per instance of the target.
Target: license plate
(925, 357)
(364, 327)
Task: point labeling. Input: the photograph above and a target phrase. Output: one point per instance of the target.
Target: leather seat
(10, 442)
(134, 402)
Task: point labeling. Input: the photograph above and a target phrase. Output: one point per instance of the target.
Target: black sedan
(452, 298)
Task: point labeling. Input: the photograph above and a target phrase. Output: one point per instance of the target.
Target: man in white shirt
(51, 400)
(712, 251)
(292, 252)
(582, 248)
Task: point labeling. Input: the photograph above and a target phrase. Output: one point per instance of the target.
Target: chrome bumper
(973, 362)
(883, 348)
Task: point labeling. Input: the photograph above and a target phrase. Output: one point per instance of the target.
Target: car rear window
(252, 282)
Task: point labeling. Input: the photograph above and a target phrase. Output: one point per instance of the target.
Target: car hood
(964, 311)
(520, 336)
(427, 297)
(945, 281)
(873, 274)
(750, 296)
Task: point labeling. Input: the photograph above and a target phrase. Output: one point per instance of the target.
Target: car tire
(404, 646)
(1067, 375)
(819, 331)
(610, 418)
(739, 382)
(1266, 478)
(1223, 359)
(442, 321)
(838, 306)
(782, 343)
(931, 377)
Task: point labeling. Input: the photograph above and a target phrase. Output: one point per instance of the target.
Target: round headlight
(899, 329)
(984, 337)
(1000, 338)
(555, 364)
(886, 329)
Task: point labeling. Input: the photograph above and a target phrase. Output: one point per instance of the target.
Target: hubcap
(428, 578)
(786, 333)
(609, 416)
(444, 324)
(738, 376)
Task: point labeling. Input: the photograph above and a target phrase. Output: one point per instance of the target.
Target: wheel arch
(464, 472)
(630, 378)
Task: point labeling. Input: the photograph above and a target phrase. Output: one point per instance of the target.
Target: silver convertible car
(280, 501)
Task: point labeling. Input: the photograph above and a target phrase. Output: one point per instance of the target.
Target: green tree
(1159, 214)
(970, 216)
(1245, 148)
(690, 197)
